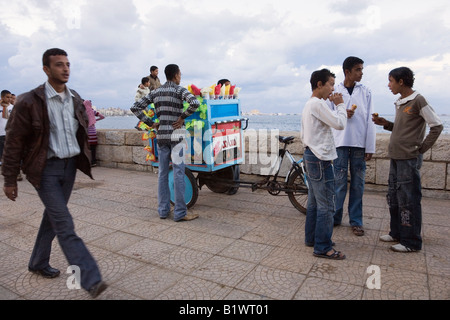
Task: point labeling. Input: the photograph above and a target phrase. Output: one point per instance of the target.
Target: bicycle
(295, 184)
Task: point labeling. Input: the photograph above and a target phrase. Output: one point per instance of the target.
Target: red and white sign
(227, 142)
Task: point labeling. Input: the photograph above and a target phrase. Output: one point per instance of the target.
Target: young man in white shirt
(355, 144)
(5, 110)
(320, 151)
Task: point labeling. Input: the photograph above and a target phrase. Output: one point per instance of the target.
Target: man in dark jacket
(46, 136)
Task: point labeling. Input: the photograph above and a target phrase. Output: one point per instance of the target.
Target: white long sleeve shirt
(360, 131)
(317, 121)
(3, 121)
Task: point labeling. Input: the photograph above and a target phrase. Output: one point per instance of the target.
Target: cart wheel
(220, 181)
(299, 198)
(191, 190)
(236, 177)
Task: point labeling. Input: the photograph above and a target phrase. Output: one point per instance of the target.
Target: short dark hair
(171, 71)
(350, 62)
(145, 80)
(153, 68)
(405, 74)
(5, 92)
(223, 81)
(320, 76)
(52, 52)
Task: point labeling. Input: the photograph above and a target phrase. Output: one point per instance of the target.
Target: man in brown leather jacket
(46, 135)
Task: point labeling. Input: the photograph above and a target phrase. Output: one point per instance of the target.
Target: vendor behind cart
(168, 100)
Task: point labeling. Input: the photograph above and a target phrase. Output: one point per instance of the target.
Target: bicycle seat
(286, 139)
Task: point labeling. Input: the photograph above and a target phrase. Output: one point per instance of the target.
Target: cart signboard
(227, 143)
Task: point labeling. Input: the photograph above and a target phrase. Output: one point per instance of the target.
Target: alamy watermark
(218, 146)
(374, 279)
(74, 280)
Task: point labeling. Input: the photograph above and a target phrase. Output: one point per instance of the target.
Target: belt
(59, 159)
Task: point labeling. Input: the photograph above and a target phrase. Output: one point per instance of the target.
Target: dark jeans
(93, 148)
(404, 200)
(56, 186)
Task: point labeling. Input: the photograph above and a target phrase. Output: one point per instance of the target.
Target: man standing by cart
(168, 100)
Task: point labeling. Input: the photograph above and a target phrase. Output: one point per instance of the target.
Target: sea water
(287, 122)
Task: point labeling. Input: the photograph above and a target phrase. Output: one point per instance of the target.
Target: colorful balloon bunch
(149, 133)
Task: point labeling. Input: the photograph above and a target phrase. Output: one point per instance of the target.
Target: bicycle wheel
(298, 198)
(190, 191)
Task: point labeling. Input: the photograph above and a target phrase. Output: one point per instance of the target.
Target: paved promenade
(248, 246)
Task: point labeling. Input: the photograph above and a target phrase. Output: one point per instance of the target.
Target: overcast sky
(268, 48)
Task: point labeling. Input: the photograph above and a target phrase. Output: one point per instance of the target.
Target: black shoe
(97, 289)
(47, 272)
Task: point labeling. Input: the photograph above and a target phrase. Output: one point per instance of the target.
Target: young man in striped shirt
(168, 100)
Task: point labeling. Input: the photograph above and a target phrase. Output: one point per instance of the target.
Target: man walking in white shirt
(320, 151)
(355, 144)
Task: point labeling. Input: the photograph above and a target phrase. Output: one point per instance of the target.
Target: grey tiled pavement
(248, 246)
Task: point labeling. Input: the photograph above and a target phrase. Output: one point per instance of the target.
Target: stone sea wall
(124, 149)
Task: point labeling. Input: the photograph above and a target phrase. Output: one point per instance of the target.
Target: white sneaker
(401, 248)
(388, 238)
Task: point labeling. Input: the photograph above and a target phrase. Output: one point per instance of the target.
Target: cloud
(268, 49)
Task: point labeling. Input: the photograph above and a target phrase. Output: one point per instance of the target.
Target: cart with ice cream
(214, 142)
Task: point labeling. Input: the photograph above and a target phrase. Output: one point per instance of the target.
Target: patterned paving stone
(347, 271)
(344, 232)
(273, 283)
(90, 232)
(437, 257)
(247, 251)
(146, 229)
(116, 241)
(263, 235)
(114, 266)
(355, 250)
(147, 250)
(6, 294)
(290, 259)
(413, 261)
(114, 293)
(221, 229)
(207, 242)
(120, 222)
(439, 287)
(223, 270)
(190, 288)
(22, 241)
(322, 289)
(399, 284)
(249, 246)
(183, 260)
(173, 235)
(239, 295)
(148, 282)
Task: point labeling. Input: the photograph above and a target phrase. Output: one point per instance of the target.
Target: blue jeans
(56, 187)
(320, 208)
(171, 155)
(354, 157)
(404, 200)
